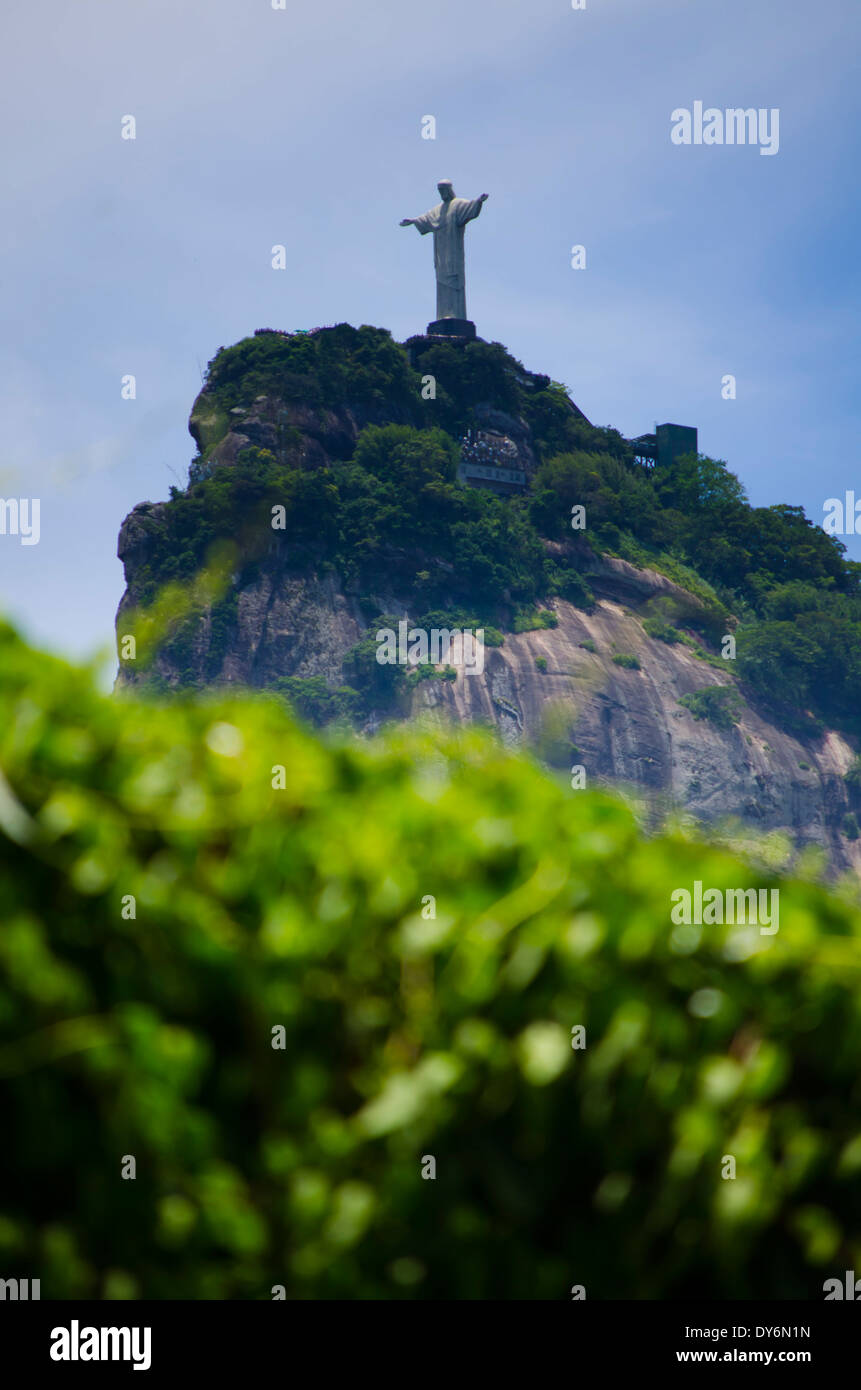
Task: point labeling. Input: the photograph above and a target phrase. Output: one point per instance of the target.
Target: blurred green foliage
(301, 909)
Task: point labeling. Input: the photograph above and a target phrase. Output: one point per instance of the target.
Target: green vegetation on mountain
(719, 704)
(323, 369)
(285, 975)
(394, 509)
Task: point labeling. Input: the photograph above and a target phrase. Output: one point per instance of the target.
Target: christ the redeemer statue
(447, 221)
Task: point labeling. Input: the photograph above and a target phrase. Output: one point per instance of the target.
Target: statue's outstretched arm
(470, 208)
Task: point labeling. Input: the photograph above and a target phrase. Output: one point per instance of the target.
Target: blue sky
(303, 127)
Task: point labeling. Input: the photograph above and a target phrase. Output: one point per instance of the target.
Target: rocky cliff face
(623, 725)
(628, 728)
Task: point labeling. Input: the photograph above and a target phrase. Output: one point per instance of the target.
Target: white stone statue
(447, 222)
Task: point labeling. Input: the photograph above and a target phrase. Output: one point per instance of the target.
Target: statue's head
(446, 191)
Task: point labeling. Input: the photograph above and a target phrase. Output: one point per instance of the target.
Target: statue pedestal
(451, 328)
